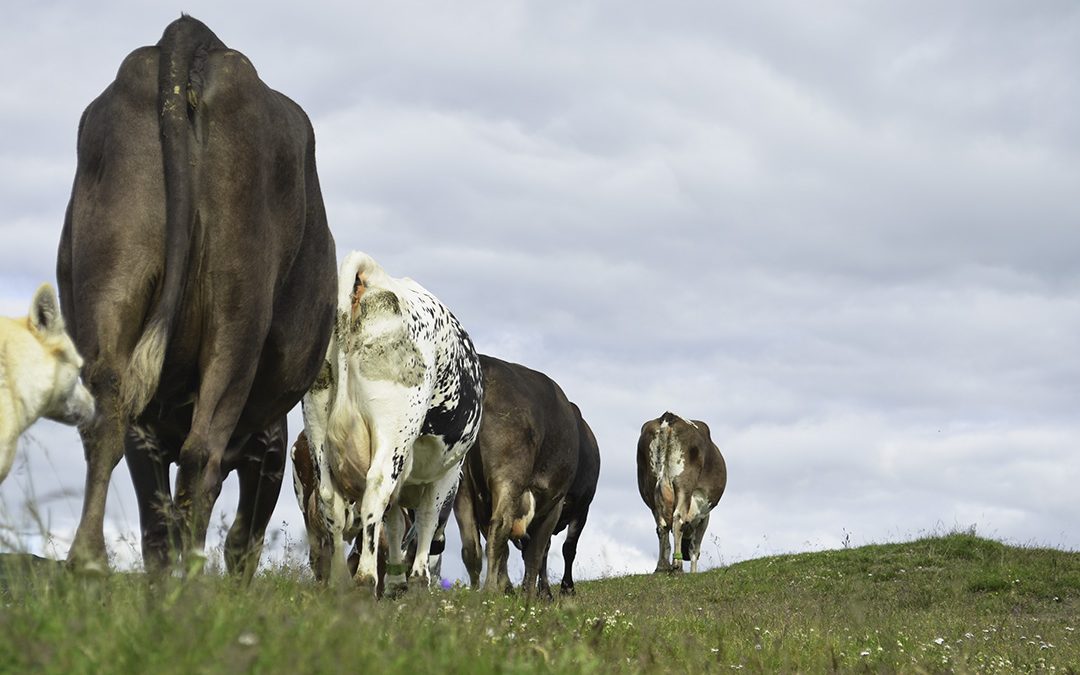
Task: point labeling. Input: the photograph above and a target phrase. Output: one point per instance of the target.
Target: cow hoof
(194, 563)
(567, 590)
(419, 582)
(89, 569)
(366, 582)
(395, 590)
(89, 560)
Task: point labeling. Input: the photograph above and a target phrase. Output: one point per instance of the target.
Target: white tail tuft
(140, 382)
(521, 525)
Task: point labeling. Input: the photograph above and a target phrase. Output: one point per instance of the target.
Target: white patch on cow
(39, 374)
(699, 508)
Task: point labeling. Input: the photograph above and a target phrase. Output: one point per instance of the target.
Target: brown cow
(518, 474)
(196, 275)
(681, 477)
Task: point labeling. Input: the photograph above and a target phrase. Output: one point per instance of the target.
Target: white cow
(389, 420)
(39, 374)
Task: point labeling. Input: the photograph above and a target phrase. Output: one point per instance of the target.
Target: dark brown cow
(681, 477)
(517, 475)
(197, 278)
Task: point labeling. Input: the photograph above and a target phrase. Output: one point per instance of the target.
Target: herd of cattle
(197, 279)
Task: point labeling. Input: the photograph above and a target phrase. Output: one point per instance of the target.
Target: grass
(956, 603)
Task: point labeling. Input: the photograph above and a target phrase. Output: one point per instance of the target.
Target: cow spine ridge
(183, 49)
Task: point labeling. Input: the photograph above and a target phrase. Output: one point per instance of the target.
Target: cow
(39, 374)
(196, 274)
(681, 477)
(389, 420)
(306, 483)
(575, 510)
(519, 473)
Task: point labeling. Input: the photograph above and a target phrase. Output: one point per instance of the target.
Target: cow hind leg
(103, 444)
(261, 474)
(695, 541)
(396, 582)
(504, 498)
(472, 553)
(543, 584)
(429, 515)
(381, 489)
(224, 390)
(663, 532)
(149, 467)
(569, 552)
(536, 548)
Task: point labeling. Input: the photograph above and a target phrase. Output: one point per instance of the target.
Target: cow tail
(183, 49)
(664, 497)
(527, 509)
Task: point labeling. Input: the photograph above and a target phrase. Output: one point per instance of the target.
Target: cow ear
(45, 311)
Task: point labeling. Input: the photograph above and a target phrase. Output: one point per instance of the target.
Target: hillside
(953, 603)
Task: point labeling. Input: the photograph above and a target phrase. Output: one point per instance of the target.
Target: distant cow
(519, 474)
(681, 476)
(39, 374)
(196, 275)
(389, 420)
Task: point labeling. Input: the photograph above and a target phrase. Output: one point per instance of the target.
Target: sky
(844, 235)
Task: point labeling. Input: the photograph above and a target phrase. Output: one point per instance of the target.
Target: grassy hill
(954, 603)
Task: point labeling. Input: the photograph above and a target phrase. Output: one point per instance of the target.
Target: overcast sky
(846, 236)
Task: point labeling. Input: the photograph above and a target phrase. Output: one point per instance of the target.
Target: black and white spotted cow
(389, 420)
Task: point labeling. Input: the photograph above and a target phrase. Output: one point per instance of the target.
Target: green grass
(956, 603)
